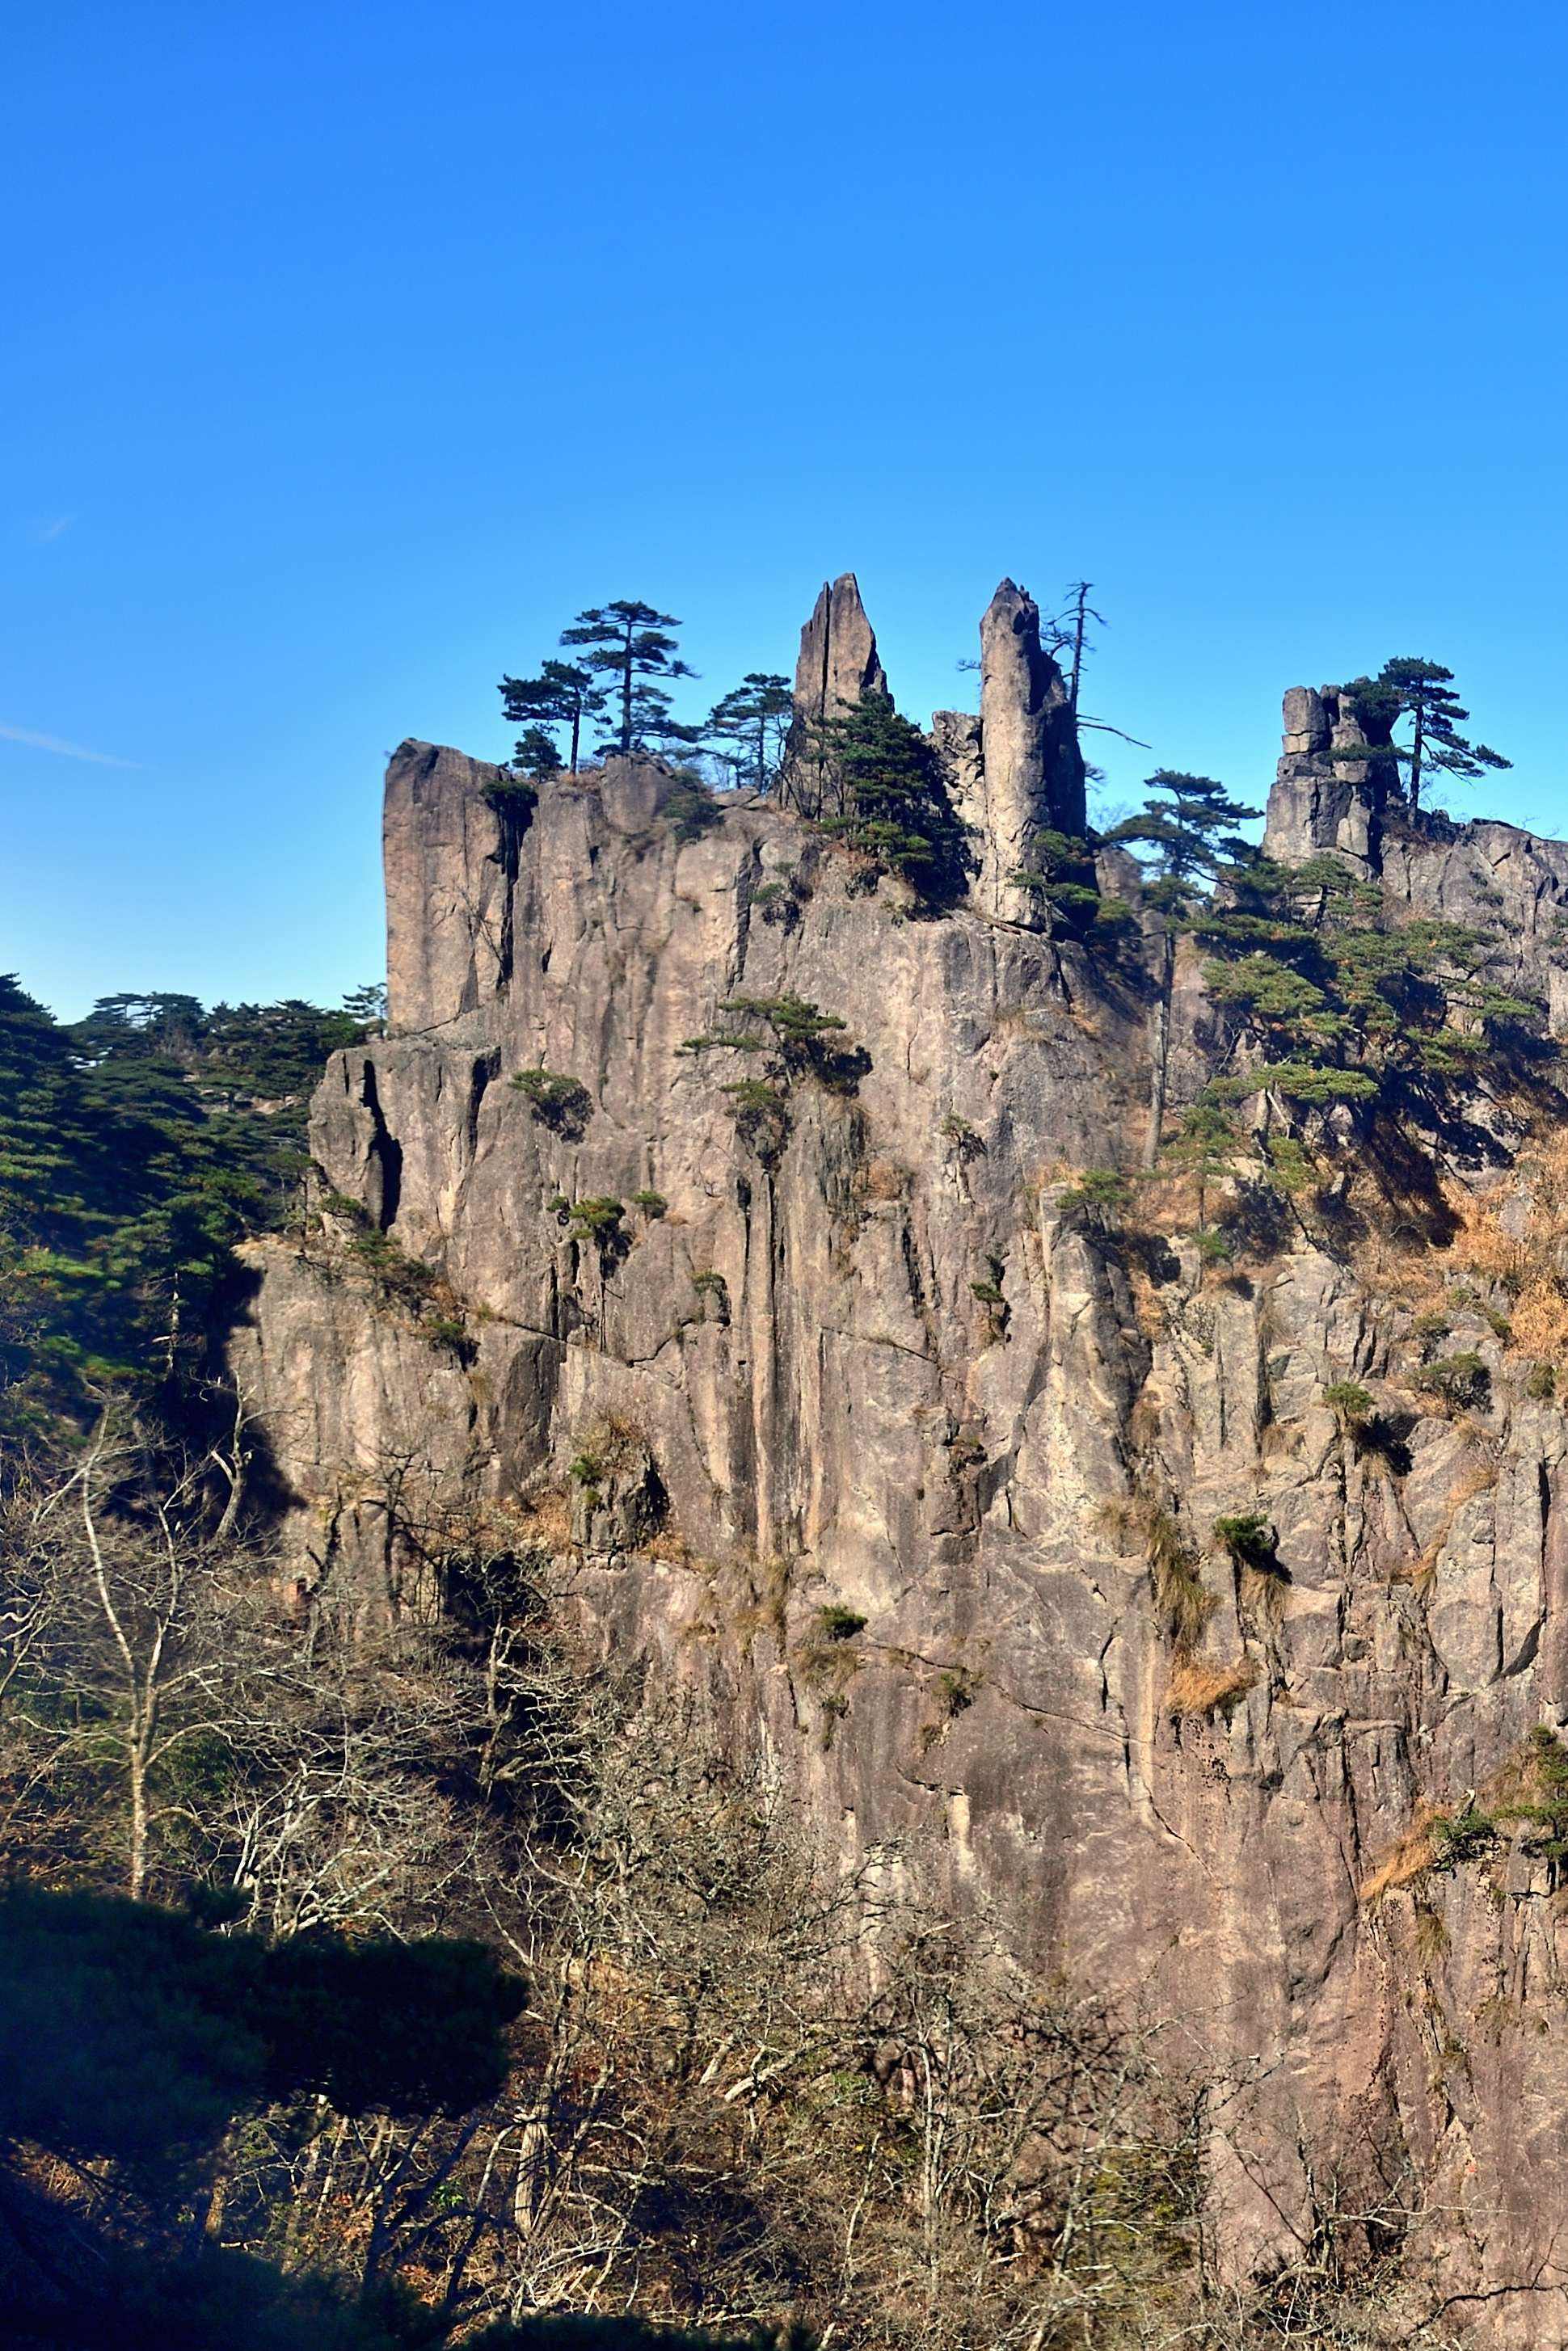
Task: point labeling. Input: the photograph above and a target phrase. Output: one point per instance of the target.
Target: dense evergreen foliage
(564, 694)
(1343, 1004)
(747, 728)
(881, 792)
(136, 1148)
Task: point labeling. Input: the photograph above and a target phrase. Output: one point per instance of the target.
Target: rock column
(1029, 775)
(838, 666)
(1324, 797)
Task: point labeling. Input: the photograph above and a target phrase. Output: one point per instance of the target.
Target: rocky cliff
(876, 1434)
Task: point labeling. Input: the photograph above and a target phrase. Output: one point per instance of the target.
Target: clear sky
(350, 348)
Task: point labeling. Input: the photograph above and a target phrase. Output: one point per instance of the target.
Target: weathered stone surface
(1029, 773)
(838, 662)
(812, 1398)
(1321, 800)
(1489, 875)
(442, 850)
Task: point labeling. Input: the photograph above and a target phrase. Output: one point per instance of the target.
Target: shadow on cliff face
(207, 1414)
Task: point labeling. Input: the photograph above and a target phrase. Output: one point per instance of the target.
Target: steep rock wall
(883, 1360)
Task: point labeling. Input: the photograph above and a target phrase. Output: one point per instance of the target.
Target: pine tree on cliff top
(564, 694)
(1421, 691)
(751, 723)
(884, 783)
(629, 645)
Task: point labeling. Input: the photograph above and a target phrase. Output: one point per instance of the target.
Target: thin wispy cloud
(35, 742)
(55, 529)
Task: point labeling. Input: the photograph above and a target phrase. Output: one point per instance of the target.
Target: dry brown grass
(1199, 1687)
(882, 1179)
(675, 1552)
(1409, 1859)
(1527, 1265)
(1148, 1306)
(756, 1595)
(546, 1514)
(1184, 1607)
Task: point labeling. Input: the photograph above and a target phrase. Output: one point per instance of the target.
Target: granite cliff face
(869, 1351)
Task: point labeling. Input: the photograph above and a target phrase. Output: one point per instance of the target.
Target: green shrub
(837, 1623)
(514, 799)
(1461, 1838)
(988, 1293)
(599, 1220)
(447, 1331)
(1248, 1537)
(652, 1204)
(691, 810)
(398, 1278)
(1291, 1168)
(955, 1690)
(563, 1104)
(761, 1116)
(1546, 1814)
(343, 1206)
(1460, 1381)
(1348, 1401)
(1542, 1384)
(1099, 1196)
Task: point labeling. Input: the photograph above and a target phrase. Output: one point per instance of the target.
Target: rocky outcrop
(867, 1343)
(1023, 773)
(838, 665)
(838, 662)
(1491, 877)
(445, 885)
(1324, 796)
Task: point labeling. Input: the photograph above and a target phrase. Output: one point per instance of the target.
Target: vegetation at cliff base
(137, 1147)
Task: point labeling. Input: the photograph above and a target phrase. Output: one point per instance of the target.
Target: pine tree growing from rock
(752, 723)
(563, 695)
(629, 644)
(1421, 691)
(1187, 831)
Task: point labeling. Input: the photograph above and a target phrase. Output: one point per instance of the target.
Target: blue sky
(351, 350)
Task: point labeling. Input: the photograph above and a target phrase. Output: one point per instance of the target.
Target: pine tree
(1069, 633)
(1422, 692)
(563, 695)
(754, 719)
(884, 781)
(629, 644)
(536, 752)
(1347, 1003)
(1186, 833)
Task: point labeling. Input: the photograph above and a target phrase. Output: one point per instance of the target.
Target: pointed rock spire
(838, 660)
(838, 665)
(1030, 772)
